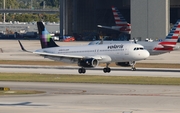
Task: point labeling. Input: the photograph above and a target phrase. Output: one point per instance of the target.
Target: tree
(12, 4)
(53, 3)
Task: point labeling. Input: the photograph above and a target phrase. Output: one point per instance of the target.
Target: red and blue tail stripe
(120, 21)
(171, 39)
(173, 34)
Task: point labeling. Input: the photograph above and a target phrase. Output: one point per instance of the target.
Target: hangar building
(148, 18)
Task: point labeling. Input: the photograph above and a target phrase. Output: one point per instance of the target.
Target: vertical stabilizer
(171, 39)
(45, 37)
(120, 21)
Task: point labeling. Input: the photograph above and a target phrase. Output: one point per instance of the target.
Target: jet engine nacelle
(88, 62)
(123, 64)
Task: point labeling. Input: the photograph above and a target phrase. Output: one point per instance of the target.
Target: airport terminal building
(148, 18)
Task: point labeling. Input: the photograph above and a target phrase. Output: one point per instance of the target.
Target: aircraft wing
(69, 56)
(97, 57)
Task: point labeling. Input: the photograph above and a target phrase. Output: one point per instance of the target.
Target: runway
(91, 98)
(115, 71)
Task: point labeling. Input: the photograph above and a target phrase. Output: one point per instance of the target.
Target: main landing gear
(82, 70)
(107, 69)
(132, 64)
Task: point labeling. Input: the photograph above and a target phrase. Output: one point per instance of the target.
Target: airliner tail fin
(171, 39)
(120, 21)
(45, 37)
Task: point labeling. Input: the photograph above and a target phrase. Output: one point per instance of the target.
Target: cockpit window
(138, 48)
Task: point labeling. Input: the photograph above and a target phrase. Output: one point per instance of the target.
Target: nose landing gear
(132, 64)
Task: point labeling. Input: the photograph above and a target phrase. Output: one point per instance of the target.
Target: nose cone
(142, 55)
(145, 54)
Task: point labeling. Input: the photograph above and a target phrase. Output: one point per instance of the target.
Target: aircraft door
(126, 51)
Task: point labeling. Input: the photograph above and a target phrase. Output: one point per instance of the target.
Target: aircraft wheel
(107, 70)
(133, 69)
(104, 70)
(81, 70)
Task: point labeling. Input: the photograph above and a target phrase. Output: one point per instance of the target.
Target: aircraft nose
(141, 55)
(145, 54)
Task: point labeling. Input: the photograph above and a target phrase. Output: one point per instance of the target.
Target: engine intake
(88, 62)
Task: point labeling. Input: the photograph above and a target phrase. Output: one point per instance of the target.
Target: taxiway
(115, 71)
(91, 98)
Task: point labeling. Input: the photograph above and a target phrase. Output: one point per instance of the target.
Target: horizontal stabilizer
(112, 27)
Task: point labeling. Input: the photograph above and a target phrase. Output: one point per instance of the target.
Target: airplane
(121, 24)
(88, 55)
(154, 48)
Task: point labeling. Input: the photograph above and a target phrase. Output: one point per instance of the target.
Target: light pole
(61, 18)
(4, 13)
(31, 4)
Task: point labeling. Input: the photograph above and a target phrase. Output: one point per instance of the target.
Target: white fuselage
(107, 52)
(149, 46)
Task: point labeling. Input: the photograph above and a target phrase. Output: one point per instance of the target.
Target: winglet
(22, 47)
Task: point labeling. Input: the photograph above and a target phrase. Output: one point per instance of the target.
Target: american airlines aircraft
(121, 24)
(88, 55)
(154, 48)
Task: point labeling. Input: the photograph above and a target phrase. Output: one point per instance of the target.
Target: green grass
(20, 92)
(26, 77)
